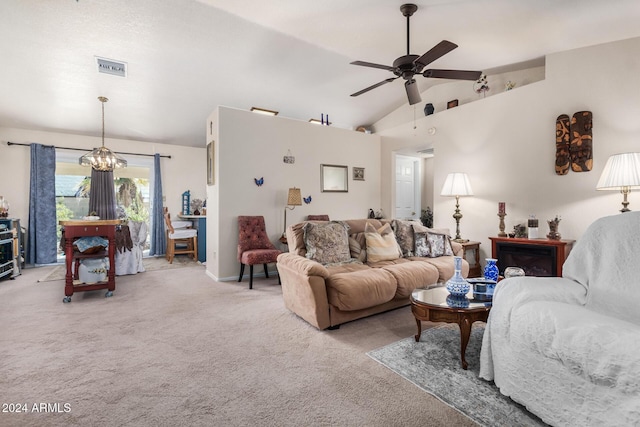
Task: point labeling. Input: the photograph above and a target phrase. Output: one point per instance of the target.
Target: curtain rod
(84, 149)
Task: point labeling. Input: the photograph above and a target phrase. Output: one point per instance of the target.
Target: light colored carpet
(433, 364)
(150, 264)
(175, 348)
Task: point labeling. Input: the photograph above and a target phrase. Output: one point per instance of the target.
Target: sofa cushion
(346, 267)
(412, 275)
(445, 266)
(327, 242)
(360, 289)
(404, 235)
(381, 243)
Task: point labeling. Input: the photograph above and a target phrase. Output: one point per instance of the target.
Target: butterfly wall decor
(259, 182)
(307, 200)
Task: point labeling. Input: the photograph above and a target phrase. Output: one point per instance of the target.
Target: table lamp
(457, 185)
(294, 198)
(621, 172)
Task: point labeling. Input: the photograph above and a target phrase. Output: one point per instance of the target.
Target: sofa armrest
(304, 289)
(457, 249)
(302, 265)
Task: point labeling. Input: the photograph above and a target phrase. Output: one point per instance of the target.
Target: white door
(407, 187)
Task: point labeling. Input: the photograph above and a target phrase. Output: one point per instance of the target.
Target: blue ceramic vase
(457, 285)
(491, 269)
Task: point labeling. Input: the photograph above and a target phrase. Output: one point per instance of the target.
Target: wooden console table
(556, 250)
(74, 229)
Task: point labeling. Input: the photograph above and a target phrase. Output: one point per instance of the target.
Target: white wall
(186, 170)
(506, 143)
(251, 146)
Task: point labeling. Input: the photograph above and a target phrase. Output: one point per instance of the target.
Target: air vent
(110, 66)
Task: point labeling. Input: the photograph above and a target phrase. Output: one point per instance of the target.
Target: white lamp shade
(621, 170)
(457, 184)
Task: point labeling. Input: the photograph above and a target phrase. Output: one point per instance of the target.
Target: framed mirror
(334, 179)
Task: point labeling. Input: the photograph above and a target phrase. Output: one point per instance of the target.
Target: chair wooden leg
(195, 249)
(170, 251)
(251, 276)
(241, 272)
(266, 271)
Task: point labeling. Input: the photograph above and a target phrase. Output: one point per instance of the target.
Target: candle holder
(501, 225)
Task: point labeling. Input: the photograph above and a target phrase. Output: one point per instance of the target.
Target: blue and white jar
(457, 285)
(491, 269)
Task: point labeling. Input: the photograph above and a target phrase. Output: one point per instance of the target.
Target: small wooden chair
(180, 241)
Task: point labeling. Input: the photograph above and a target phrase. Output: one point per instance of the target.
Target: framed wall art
(334, 179)
(211, 163)
(358, 174)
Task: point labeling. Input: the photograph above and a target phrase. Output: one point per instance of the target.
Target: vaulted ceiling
(185, 57)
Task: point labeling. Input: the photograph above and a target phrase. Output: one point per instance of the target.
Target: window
(73, 186)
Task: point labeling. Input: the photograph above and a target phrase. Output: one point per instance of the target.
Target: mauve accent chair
(254, 246)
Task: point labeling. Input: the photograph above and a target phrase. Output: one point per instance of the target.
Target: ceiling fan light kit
(409, 65)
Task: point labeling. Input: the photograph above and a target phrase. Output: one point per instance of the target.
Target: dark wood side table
(431, 305)
(474, 269)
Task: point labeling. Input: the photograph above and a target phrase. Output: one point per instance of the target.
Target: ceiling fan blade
(412, 91)
(372, 65)
(453, 74)
(389, 80)
(441, 49)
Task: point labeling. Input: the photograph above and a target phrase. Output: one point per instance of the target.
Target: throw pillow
(404, 235)
(358, 247)
(381, 243)
(428, 244)
(439, 245)
(327, 242)
(421, 244)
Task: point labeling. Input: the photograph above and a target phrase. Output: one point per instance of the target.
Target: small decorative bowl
(91, 218)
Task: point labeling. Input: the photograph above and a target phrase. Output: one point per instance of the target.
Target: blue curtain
(158, 239)
(42, 206)
(102, 197)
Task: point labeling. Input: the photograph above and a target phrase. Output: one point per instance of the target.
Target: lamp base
(460, 240)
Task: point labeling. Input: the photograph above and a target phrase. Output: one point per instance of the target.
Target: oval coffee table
(436, 305)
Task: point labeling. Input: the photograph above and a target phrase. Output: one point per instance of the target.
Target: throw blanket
(604, 261)
(568, 348)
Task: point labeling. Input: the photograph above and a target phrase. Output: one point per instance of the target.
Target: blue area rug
(433, 364)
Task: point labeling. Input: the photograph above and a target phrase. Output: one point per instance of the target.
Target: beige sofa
(328, 295)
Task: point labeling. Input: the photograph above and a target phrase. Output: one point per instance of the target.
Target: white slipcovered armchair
(568, 348)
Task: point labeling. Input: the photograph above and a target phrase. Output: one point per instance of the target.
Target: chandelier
(103, 159)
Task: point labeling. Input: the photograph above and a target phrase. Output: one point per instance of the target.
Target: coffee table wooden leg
(465, 333)
(419, 323)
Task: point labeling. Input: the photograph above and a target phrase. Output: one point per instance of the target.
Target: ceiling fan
(409, 65)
